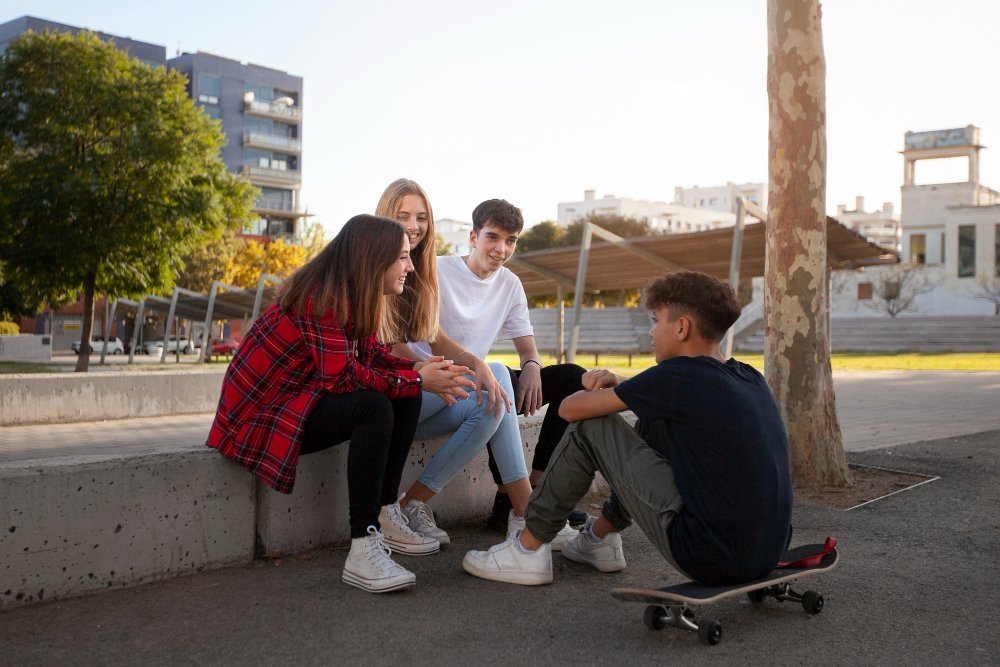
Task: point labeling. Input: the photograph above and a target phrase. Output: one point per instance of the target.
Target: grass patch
(842, 361)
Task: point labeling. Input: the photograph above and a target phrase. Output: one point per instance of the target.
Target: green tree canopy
(109, 173)
(549, 234)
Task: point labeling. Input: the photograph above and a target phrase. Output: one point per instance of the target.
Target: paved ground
(922, 404)
(917, 585)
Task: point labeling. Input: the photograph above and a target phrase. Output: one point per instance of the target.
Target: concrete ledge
(316, 512)
(48, 398)
(74, 525)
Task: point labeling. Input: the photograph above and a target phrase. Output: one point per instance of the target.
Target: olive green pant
(642, 481)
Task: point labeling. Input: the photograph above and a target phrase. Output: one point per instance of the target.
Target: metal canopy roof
(634, 262)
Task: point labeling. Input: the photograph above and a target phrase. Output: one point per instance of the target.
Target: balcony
(282, 178)
(280, 109)
(272, 141)
(270, 206)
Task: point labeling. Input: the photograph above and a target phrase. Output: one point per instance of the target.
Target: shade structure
(616, 266)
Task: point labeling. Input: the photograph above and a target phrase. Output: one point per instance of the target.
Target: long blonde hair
(347, 276)
(417, 307)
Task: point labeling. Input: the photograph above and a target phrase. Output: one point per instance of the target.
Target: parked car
(156, 346)
(97, 344)
(226, 346)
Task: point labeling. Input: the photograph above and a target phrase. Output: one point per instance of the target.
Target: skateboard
(673, 605)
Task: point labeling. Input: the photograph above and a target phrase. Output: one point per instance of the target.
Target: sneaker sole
(377, 586)
(599, 565)
(413, 549)
(521, 578)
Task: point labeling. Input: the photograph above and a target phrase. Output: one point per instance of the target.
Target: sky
(536, 102)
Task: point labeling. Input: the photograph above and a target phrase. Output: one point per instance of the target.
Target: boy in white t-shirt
(482, 301)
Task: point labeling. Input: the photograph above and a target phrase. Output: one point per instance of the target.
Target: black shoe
(498, 515)
(577, 518)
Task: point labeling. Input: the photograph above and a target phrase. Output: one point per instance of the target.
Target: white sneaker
(421, 520)
(510, 563)
(370, 567)
(565, 534)
(398, 535)
(605, 555)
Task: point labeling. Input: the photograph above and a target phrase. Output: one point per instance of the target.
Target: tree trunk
(83, 359)
(797, 354)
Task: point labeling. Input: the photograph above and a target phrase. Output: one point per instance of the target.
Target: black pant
(558, 382)
(380, 431)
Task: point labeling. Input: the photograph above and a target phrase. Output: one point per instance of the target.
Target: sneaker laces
(378, 552)
(422, 518)
(399, 518)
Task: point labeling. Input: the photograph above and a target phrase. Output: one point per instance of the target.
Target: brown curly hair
(710, 302)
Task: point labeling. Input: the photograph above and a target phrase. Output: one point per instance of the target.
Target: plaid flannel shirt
(284, 365)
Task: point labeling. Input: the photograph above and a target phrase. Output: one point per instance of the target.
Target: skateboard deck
(672, 605)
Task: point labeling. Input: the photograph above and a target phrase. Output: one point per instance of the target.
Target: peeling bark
(797, 354)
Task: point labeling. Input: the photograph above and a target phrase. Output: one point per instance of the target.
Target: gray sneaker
(421, 520)
(397, 534)
(606, 555)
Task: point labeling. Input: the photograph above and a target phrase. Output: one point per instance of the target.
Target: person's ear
(472, 238)
(683, 328)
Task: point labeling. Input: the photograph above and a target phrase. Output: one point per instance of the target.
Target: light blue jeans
(471, 426)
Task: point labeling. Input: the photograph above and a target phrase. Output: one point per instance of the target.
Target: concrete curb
(49, 398)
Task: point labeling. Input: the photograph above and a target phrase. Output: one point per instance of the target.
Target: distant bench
(620, 331)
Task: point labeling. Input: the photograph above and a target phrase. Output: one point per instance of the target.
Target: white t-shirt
(476, 312)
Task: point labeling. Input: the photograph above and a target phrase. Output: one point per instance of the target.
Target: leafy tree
(209, 262)
(109, 173)
(625, 226)
(253, 258)
(546, 234)
(442, 247)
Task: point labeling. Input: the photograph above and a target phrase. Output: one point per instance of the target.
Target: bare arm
(529, 383)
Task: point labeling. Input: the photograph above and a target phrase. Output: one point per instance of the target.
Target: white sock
(590, 535)
(524, 549)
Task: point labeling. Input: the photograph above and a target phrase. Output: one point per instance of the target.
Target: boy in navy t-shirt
(705, 474)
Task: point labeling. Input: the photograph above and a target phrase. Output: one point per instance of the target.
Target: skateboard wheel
(756, 596)
(812, 602)
(710, 632)
(654, 617)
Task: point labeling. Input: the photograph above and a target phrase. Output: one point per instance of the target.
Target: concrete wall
(70, 397)
(26, 348)
(75, 525)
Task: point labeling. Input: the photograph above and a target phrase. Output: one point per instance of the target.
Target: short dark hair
(710, 301)
(499, 212)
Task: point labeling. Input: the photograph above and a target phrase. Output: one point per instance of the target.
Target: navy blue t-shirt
(729, 452)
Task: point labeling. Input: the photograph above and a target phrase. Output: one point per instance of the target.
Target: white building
(950, 233)
(722, 197)
(878, 226)
(663, 217)
(456, 233)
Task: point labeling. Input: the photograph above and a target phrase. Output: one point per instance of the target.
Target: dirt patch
(869, 483)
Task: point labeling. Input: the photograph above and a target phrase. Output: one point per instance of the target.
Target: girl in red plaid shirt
(315, 369)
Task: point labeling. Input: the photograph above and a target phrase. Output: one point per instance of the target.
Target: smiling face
(412, 213)
(395, 276)
(490, 249)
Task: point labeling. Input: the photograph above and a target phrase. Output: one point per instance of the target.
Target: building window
(996, 250)
(864, 291)
(942, 248)
(260, 91)
(209, 88)
(918, 248)
(966, 251)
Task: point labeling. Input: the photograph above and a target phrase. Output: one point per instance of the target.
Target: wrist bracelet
(531, 361)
